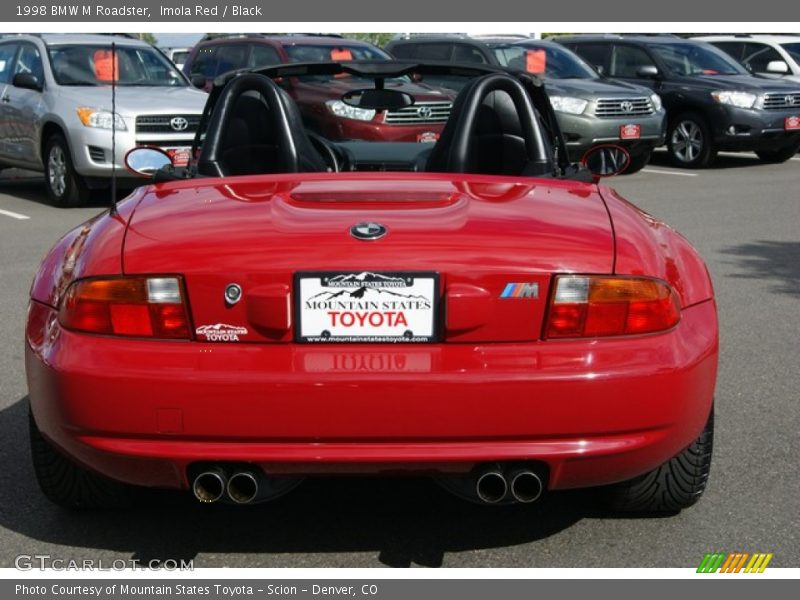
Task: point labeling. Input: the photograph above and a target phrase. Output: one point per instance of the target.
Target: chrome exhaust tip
(209, 486)
(243, 487)
(491, 487)
(526, 486)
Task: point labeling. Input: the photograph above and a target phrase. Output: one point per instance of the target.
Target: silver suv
(55, 108)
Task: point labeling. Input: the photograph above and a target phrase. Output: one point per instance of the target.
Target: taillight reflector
(127, 306)
(584, 306)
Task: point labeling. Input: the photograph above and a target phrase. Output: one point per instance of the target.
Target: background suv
(319, 96)
(712, 102)
(767, 55)
(591, 110)
(55, 108)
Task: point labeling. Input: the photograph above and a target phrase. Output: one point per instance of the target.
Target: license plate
(791, 123)
(179, 156)
(366, 306)
(630, 132)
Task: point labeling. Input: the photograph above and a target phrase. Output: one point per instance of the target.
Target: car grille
(422, 112)
(623, 107)
(779, 101)
(162, 123)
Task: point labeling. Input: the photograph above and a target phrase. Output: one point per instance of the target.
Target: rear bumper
(595, 411)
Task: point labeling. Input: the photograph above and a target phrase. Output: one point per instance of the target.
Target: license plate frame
(415, 294)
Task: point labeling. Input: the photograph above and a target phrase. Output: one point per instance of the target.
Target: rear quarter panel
(93, 248)
(646, 246)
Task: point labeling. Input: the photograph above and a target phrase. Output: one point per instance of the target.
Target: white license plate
(366, 306)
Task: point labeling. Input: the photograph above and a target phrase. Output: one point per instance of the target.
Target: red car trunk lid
(494, 243)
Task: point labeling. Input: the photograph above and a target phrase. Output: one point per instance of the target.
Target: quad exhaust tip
(209, 486)
(526, 486)
(491, 487)
(243, 487)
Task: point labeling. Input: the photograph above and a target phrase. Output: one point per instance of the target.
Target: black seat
(256, 128)
(492, 130)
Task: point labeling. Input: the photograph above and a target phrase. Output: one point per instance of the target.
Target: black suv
(712, 102)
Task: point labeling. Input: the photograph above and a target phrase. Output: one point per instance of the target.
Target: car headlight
(567, 104)
(340, 109)
(656, 100)
(738, 99)
(100, 119)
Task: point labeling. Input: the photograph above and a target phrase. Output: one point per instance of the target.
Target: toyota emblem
(425, 112)
(791, 100)
(179, 123)
(626, 106)
(367, 231)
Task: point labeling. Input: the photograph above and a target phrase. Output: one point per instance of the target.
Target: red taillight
(130, 306)
(584, 306)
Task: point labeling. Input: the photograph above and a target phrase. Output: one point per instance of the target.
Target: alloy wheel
(687, 141)
(57, 170)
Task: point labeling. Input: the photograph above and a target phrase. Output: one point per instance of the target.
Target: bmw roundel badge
(368, 231)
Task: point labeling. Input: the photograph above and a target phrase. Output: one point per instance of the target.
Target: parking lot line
(14, 215)
(660, 172)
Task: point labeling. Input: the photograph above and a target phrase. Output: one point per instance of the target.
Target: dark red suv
(319, 96)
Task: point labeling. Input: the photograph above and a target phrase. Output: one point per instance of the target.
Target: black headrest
(493, 107)
(269, 118)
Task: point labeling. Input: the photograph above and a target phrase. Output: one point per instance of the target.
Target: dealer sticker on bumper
(630, 132)
(366, 306)
(791, 123)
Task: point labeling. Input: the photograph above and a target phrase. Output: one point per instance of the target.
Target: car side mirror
(198, 80)
(606, 160)
(777, 66)
(145, 162)
(27, 81)
(647, 72)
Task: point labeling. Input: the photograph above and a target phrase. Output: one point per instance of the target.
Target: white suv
(55, 109)
(775, 56)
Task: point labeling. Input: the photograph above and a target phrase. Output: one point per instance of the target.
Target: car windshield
(317, 53)
(91, 64)
(344, 52)
(551, 62)
(793, 50)
(693, 60)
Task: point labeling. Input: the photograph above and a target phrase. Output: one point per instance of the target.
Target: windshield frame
(180, 79)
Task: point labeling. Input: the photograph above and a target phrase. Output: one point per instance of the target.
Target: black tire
(638, 162)
(65, 187)
(677, 484)
(689, 141)
(778, 156)
(68, 485)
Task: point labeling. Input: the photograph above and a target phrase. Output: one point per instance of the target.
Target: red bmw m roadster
(475, 308)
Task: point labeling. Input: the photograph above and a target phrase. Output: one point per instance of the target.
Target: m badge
(520, 290)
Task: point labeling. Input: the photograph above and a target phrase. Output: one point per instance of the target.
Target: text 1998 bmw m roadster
(475, 308)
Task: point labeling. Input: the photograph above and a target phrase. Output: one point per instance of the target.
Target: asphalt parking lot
(742, 215)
